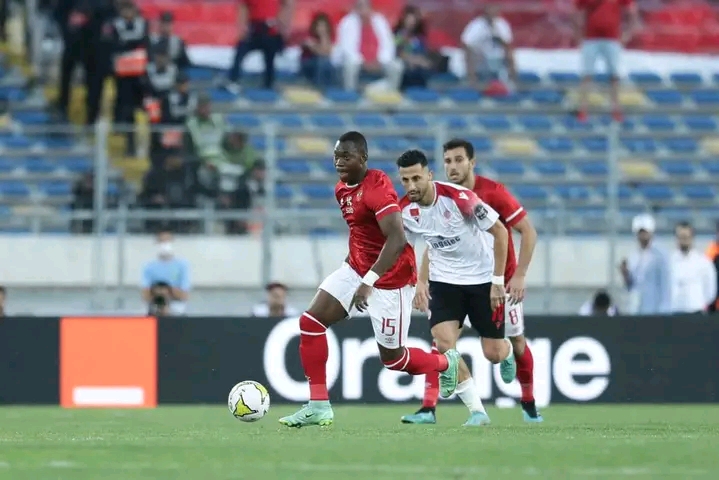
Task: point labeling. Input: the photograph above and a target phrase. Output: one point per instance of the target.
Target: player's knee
(444, 344)
(518, 344)
(391, 356)
(494, 350)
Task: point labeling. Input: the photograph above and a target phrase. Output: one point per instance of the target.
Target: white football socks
(468, 393)
(511, 348)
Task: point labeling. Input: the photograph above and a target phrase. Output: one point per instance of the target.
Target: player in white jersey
(467, 248)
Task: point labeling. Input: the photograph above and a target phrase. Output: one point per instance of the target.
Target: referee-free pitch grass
(207, 443)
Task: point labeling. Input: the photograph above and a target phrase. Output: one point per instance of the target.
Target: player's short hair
(684, 224)
(459, 143)
(602, 300)
(355, 138)
(2, 290)
(412, 157)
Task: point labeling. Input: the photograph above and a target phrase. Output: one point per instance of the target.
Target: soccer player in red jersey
(378, 276)
(459, 162)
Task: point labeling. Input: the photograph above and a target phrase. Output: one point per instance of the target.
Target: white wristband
(370, 278)
(498, 280)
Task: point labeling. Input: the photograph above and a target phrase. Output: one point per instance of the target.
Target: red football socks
(525, 373)
(416, 361)
(313, 354)
(431, 386)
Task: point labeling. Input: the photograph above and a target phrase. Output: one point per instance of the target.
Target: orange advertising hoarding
(108, 362)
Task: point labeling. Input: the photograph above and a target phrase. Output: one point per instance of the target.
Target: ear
(431, 175)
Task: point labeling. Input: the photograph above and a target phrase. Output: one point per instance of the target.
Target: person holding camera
(166, 280)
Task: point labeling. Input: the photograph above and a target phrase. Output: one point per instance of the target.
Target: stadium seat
(686, 79)
(711, 166)
(655, 122)
(637, 169)
(260, 95)
(680, 144)
(535, 123)
(452, 121)
(625, 192)
(639, 144)
(13, 188)
(521, 146)
(700, 123)
(75, 164)
(550, 167)
(283, 191)
(409, 120)
(705, 97)
(312, 145)
(665, 97)
(494, 122)
(243, 120)
(384, 97)
(7, 165)
(572, 123)
(220, 95)
(294, 166)
(656, 192)
(507, 166)
(631, 98)
(421, 95)
(481, 144)
(529, 78)
(337, 95)
(676, 167)
(392, 144)
(15, 141)
(572, 191)
(427, 144)
(711, 145)
(369, 120)
(386, 166)
(556, 144)
(546, 97)
(200, 74)
(31, 117)
(645, 79)
(302, 96)
(674, 214)
(260, 143)
(597, 144)
(512, 98)
(327, 165)
(13, 94)
(564, 78)
(592, 168)
(39, 165)
(287, 120)
(327, 120)
(464, 95)
(447, 78)
(698, 192)
(318, 191)
(530, 192)
(56, 188)
(594, 98)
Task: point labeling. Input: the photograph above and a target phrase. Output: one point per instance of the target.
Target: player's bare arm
(516, 285)
(499, 232)
(421, 296)
(393, 230)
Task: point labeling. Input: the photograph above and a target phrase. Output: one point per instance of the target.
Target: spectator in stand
(316, 50)
(161, 76)
(647, 274)
(206, 133)
(599, 32)
(365, 43)
(694, 278)
(174, 110)
(239, 151)
(276, 304)
(264, 22)
(488, 50)
(170, 270)
(600, 306)
(250, 189)
(165, 40)
(410, 39)
(713, 254)
(83, 196)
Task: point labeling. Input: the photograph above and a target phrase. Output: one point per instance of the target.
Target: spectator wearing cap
(647, 272)
(713, 254)
(694, 278)
(600, 306)
(165, 40)
(276, 304)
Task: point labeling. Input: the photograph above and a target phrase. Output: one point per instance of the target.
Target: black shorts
(455, 302)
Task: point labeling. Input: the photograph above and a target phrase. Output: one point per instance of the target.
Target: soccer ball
(249, 401)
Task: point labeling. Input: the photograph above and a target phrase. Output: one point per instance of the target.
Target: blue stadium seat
(550, 167)
(665, 97)
(698, 192)
(529, 78)
(656, 191)
(31, 117)
(700, 123)
(481, 144)
(606, 120)
(601, 78)
(715, 77)
(454, 121)
(592, 168)
(686, 79)
(572, 191)
(283, 191)
(658, 122)
(447, 78)
(410, 120)
(645, 79)
(14, 229)
(288, 120)
(595, 144)
(337, 95)
(260, 95)
(75, 164)
(369, 120)
(512, 98)
(39, 165)
(535, 122)
(639, 144)
(13, 188)
(625, 191)
(13, 94)
(260, 143)
(463, 95)
(392, 144)
(546, 97)
(422, 95)
(427, 144)
(674, 214)
(556, 144)
(243, 120)
(220, 95)
(327, 120)
(318, 191)
(588, 211)
(531, 192)
(564, 78)
(15, 141)
(572, 123)
(200, 74)
(297, 166)
(5, 211)
(56, 188)
(327, 165)
(705, 97)
(676, 167)
(507, 167)
(54, 141)
(386, 166)
(681, 144)
(711, 166)
(494, 122)
(7, 166)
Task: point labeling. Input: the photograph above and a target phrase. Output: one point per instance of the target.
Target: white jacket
(349, 35)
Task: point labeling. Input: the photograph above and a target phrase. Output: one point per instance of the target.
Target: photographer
(160, 299)
(170, 271)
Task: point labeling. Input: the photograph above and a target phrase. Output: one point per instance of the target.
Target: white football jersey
(454, 229)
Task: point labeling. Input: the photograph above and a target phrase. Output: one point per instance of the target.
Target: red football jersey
(510, 212)
(362, 207)
(603, 17)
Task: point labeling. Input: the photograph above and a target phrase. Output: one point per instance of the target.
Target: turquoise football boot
(448, 378)
(313, 413)
(477, 419)
(421, 417)
(530, 413)
(508, 369)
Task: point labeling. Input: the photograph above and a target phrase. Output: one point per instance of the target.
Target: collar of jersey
(436, 197)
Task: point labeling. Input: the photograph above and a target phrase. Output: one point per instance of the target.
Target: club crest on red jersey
(414, 213)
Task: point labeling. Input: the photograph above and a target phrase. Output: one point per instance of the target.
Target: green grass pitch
(206, 443)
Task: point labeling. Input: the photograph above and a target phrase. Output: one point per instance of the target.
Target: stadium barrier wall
(140, 362)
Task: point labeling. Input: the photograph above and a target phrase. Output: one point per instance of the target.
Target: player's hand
(497, 296)
(421, 297)
(361, 297)
(515, 289)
